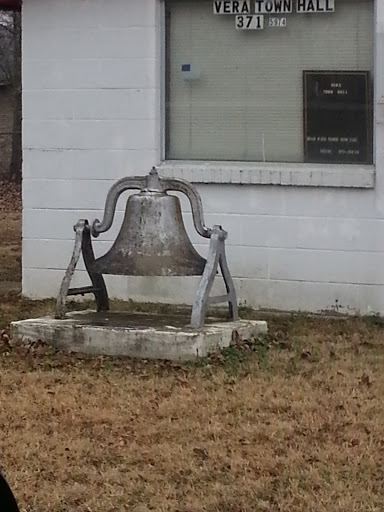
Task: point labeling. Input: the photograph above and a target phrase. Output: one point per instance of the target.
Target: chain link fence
(10, 200)
(10, 152)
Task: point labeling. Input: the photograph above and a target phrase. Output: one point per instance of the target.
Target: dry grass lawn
(292, 422)
(10, 259)
(10, 234)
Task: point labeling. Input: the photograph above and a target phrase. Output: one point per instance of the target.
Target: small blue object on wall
(190, 71)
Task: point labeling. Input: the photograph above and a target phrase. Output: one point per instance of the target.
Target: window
(261, 86)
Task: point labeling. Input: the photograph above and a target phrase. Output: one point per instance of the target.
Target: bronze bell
(152, 241)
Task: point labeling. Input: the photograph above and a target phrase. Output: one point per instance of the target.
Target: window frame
(277, 173)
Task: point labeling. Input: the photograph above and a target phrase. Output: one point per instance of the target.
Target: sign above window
(249, 14)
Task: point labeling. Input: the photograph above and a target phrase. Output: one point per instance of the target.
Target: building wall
(92, 114)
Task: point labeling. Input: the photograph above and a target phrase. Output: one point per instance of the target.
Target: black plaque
(337, 117)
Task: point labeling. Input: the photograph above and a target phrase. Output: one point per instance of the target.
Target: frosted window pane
(247, 103)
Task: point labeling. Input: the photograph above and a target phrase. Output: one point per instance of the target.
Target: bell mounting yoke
(152, 241)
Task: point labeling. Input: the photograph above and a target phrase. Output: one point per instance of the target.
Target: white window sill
(296, 175)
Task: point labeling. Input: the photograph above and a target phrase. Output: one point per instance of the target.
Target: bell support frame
(216, 254)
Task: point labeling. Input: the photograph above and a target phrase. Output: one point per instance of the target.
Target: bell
(152, 240)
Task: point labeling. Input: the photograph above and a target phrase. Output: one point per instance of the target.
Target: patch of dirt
(10, 197)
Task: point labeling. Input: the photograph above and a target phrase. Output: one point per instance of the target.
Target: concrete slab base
(138, 335)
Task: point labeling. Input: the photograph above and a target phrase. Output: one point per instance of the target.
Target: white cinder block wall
(92, 114)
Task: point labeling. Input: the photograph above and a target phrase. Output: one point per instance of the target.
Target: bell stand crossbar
(216, 253)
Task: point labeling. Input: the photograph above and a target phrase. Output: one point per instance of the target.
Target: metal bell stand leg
(83, 245)
(216, 257)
